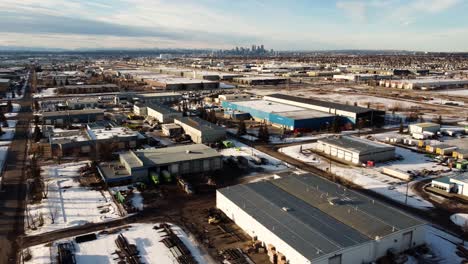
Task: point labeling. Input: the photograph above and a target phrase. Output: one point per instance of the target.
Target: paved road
(13, 188)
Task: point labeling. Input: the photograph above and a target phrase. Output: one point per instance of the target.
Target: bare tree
(53, 213)
(45, 189)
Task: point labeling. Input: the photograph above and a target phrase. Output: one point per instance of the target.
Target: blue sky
(425, 25)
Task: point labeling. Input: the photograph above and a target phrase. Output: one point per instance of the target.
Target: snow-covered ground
(460, 219)
(463, 92)
(136, 198)
(147, 240)
(8, 132)
(46, 92)
(16, 109)
(440, 101)
(68, 204)
(9, 95)
(241, 149)
(372, 178)
(443, 245)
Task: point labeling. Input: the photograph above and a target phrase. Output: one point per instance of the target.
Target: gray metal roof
(90, 86)
(305, 114)
(132, 160)
(356, 144)
(163, 109)
(160, 156)
(322, 217)
(198, 123)
(305, 228)
(343, 107)
(369, 217)
(73, 112)
(462, 177)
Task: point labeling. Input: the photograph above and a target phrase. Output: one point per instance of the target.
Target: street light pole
(406, 197)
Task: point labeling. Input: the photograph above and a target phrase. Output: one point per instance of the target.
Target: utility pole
(406, 197)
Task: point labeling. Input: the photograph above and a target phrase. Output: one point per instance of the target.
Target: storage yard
(137, 243)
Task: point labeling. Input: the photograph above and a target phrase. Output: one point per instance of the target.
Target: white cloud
(404, 11)
(77, 41)
(202, 24)
(356, 10)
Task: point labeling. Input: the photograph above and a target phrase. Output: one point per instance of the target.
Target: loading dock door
(407, 240)
(335, 260)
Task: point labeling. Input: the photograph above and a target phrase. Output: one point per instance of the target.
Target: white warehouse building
(310, 220)
(424, 127)
(425, 83)
(201, 131)
(355, 150)
(162, 113)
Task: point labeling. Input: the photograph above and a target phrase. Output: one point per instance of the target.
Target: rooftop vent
(188, 151)
(286, 209)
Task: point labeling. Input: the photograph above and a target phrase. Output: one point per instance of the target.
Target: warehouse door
(407, 240)
(335, 260)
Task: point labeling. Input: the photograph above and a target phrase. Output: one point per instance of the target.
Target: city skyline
(431, 25)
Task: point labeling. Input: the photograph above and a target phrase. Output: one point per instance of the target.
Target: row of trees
(263, 133)
(209, 116)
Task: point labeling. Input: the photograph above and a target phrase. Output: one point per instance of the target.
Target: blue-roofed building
(283, 115)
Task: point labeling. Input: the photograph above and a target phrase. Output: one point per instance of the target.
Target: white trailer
(397, 174)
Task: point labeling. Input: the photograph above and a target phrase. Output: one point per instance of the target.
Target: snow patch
(68, 203)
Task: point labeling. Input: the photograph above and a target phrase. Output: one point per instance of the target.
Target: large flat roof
(356, 144)
(305, 228)
(160, 156)
(163, 109)
(89, 86)
(369, 217)
(348, 108)
(73, 112)
(165, 94)
(198, 123)
(462, 177)
(431, 81)
(268, 106)
(321, 217)
(111, 132)
(260, 78)
(305, 114)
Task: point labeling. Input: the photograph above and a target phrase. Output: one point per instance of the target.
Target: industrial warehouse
(425, 84)
(306, 219)
(199, 130)
(297, 113)
(161, 113)
(71, 116)
(355, 150)
(281, 115)
(352, 113)
(135, 166)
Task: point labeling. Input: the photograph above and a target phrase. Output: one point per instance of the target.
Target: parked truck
(155, 178)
